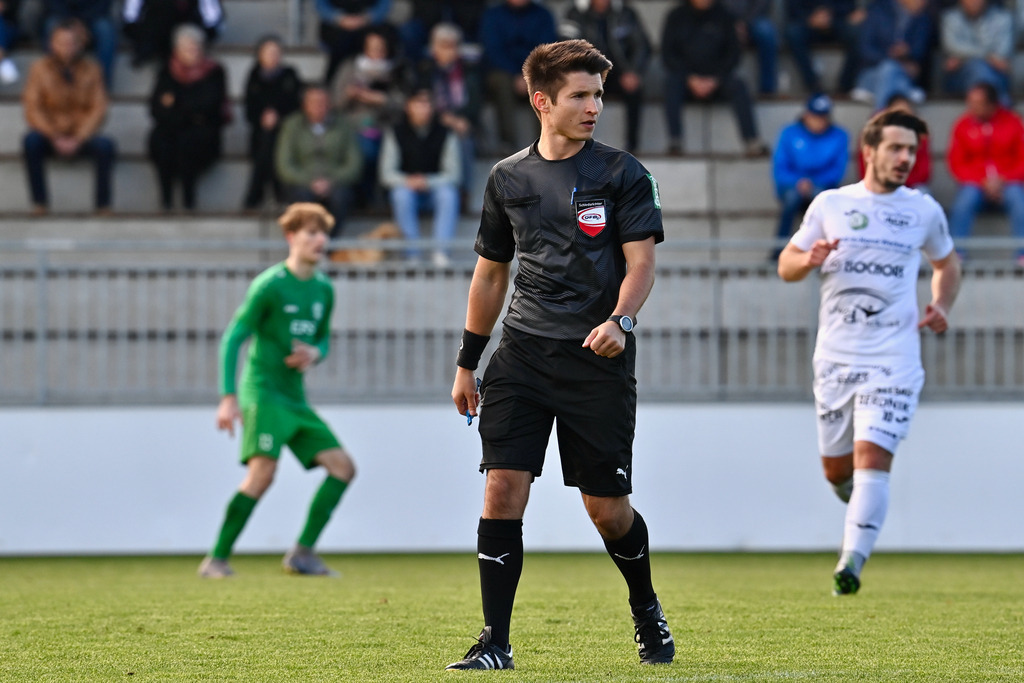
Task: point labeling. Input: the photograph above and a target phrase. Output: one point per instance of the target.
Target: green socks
(239, 509)
(326, 499)
(241, 506)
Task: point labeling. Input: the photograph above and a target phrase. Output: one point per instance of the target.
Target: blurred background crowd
(393, 124)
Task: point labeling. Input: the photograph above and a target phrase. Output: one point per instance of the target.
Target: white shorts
(864, 403)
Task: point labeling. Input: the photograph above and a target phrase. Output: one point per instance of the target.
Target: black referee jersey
(566, 221)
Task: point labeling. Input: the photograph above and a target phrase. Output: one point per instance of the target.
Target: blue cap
(820, 105)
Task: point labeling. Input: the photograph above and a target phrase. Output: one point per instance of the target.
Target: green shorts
(266, 427)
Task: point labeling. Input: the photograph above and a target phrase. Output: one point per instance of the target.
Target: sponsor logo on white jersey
(856, 220)
(862, 306)
(897, 219)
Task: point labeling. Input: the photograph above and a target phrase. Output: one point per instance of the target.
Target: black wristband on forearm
(470, 349)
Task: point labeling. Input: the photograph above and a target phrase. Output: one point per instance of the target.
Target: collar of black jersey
(534, 150)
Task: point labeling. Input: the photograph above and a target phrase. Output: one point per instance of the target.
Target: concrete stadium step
(128, 123)
(135, 186)
(710, 129)
(708, 185)
(211, 238)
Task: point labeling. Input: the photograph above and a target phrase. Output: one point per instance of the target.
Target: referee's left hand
(607, 339)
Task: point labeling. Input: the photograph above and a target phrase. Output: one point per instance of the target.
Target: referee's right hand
(464, 392)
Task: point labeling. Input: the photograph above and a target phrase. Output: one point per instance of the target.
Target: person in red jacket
(921, 173)
(986, 156)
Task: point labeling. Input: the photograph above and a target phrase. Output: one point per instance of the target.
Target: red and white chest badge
(590, 216)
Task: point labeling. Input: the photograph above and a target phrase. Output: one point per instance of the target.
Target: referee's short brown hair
(299, 214)
(548, 65)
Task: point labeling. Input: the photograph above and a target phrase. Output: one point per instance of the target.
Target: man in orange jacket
(65, 103)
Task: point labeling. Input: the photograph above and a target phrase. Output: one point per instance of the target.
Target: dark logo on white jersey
(871, 268)
(861, 306)
(831, 416)
(896, 219)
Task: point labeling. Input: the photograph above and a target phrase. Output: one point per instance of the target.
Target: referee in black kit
(583, 219)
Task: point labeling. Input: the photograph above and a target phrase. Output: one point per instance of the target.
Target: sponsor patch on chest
(897, 219)
(590, 216)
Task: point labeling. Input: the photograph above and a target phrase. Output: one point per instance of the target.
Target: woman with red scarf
(189, 107)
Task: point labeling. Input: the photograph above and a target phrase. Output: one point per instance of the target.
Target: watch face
(626, 323)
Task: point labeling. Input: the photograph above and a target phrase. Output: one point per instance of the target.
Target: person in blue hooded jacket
(811, 156)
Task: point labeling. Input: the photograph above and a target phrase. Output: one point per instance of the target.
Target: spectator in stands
(921, 174)
(509, 30)
(368, 91)
(95, 15)
(189, 107)
(895, 41)
(419, 165)
(317, 156)
(426, 14)
(754, 25)
(986, 156)
(65, 104)
(818, 21)
(701, 52)
(614, 28)
(271, 93)
(457, 91)
(977, 44)
(149, 25)
(810, 156)
(8, 35)
(343, 27)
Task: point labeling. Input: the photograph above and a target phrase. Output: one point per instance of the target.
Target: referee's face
(574, 112)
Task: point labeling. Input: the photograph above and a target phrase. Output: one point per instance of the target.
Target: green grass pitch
(735, 617)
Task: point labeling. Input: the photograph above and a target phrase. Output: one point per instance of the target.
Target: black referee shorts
(533, 381)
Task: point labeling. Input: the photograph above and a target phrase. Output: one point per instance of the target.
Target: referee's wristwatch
(624, 321)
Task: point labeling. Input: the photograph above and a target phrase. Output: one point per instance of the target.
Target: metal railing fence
(113, 328)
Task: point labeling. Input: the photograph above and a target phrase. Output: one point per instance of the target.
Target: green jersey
(278, 309)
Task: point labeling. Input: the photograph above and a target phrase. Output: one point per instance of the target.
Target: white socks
(865, 513)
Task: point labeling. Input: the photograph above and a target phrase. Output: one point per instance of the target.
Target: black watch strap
(625, 322)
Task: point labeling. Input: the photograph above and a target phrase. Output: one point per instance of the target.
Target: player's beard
(890, 185)
(887, 181)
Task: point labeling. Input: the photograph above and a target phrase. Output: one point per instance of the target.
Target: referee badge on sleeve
(590, 216)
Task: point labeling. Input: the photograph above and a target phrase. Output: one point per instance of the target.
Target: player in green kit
(287, 313)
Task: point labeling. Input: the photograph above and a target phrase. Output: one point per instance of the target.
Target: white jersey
(869, 309)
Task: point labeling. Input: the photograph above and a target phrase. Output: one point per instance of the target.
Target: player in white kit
(867, 240)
